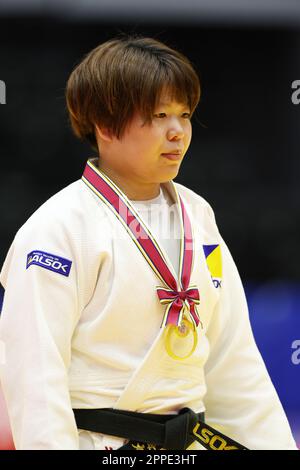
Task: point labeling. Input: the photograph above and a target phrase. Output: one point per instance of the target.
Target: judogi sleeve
(40, 311)
(241, 400)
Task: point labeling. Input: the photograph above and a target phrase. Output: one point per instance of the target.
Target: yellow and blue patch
(213, 257)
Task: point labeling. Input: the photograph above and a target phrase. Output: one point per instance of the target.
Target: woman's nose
(176, 131)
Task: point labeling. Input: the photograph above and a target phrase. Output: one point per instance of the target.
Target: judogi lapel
(179, 297)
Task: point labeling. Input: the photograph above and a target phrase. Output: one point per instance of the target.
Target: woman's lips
(172, 156)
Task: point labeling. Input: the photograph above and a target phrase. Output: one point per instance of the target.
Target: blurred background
(244, 156)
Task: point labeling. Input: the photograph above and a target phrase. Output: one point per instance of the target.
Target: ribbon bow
(179, 302)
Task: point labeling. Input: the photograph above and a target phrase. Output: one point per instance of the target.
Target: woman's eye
(162, 115)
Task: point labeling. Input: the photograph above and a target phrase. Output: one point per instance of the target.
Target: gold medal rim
(167, 342)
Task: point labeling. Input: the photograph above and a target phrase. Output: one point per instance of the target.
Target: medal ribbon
(178, 298)
(178, 303)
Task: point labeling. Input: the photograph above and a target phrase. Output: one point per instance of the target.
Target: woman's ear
(103, 133)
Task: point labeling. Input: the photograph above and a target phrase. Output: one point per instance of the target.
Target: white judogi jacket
(83, 331)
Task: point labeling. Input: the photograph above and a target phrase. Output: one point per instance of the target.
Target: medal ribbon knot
(179, 302)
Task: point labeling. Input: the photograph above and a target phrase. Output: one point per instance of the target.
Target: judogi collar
(177, 294)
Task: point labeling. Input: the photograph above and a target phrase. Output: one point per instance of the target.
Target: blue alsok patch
(48, 261)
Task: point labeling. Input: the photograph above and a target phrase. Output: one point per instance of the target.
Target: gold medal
(182, 332)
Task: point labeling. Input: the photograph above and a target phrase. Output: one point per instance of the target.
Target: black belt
(147, 431)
